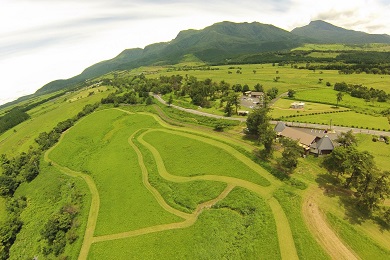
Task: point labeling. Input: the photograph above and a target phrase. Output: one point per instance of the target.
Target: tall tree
(346, 139)
(339, 97)
(291, 152)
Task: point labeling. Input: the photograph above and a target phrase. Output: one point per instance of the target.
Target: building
(258, 95)
(297, 105)
(322, 146)
(305, 140)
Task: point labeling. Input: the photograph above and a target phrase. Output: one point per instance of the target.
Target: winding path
(286, 241)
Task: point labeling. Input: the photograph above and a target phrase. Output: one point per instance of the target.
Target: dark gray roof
(325, 143)
(280, 126)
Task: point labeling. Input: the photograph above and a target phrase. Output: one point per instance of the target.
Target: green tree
(272, 93)
(337, 162)
(346, 139)
(339, 97)
(259, 88)
(170, 100)
(291, 93)
(149, 101)
(245, 88)
(291, 152)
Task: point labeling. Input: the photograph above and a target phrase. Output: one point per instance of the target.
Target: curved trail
(286, 241)
(323, 233)
(95, 201)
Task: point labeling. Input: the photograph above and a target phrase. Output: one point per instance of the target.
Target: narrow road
(295, 124)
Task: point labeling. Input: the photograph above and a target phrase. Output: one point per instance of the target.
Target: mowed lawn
(98, 146)
(281, 108)
(185, 156)
(380, 150)
(241, 226)
(347, 119)
(328, 95)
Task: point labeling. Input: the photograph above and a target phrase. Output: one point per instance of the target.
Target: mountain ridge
(215, 44)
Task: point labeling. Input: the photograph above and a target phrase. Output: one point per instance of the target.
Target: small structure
(247, 93)
(297, 105)
(258, 95)
(322, 146)
(242, 112)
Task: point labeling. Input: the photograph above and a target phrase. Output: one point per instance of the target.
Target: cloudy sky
(44, 40)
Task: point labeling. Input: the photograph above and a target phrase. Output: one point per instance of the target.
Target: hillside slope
(324, 32)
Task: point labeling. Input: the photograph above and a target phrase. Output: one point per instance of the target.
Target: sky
(45, 40)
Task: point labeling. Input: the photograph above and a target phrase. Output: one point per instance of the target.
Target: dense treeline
(360, 91)
(24, 168)
(14, 117)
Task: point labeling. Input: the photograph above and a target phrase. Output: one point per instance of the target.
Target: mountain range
(219, 42)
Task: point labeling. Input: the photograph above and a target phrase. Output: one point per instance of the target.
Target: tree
(339, 97)
(259, 88)
(256, 118)
(337, 162)
(149, 101)
(245, 88)
(291, 93)
(254, 71)
(228, 108)
(235, 101)
(292, 151)
(346, 139)
(170, 100)
(272, 93)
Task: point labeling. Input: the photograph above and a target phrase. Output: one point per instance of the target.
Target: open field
(345, 47)
(348, 119)
(43, 118)
(380, 150)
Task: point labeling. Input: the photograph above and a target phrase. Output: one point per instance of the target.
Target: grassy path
(95, 201)
(286, 241)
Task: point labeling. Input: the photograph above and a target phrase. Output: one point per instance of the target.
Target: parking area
(249, 102)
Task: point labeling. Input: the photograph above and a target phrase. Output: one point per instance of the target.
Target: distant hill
(213, 44)
(324, 32)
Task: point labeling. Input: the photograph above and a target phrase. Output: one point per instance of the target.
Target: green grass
(328, 96)
(239, 227)
(344, 47)
(281, 108)
(365, 247)
(43, 119)
(380, 150)
(347, 119)
(46, 194)
(182, 196)
(99, 145)
(188, 157)
(306, 245)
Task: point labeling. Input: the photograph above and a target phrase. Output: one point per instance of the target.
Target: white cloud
(44, 40)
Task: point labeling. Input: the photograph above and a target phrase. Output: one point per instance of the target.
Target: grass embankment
(46, 195)
(239, 227)
(43, 119)
(102, 150)
(307, 246)
(180, 152)
(365, 247)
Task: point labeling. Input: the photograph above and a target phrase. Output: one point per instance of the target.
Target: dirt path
(323, 233)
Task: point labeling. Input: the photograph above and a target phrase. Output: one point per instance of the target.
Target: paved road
(337, 129)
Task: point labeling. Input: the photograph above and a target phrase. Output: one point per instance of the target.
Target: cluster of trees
(357, 171)
(12, 225)
(59, 230)
(14, 117)
(360, 91)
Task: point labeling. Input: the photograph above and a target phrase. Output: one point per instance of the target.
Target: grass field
(179, 154)
(236, 228)
(347, 119)
(361, 244)
(307, 246)
(380, 150)
(43, 118)
(50, 191)
(103, 152)
(281, 108)
(345, 47)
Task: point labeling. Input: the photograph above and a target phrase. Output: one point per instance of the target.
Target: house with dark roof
(322, 146)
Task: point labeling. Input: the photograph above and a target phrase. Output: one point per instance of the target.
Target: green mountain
(213, 44)
(324, 32)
